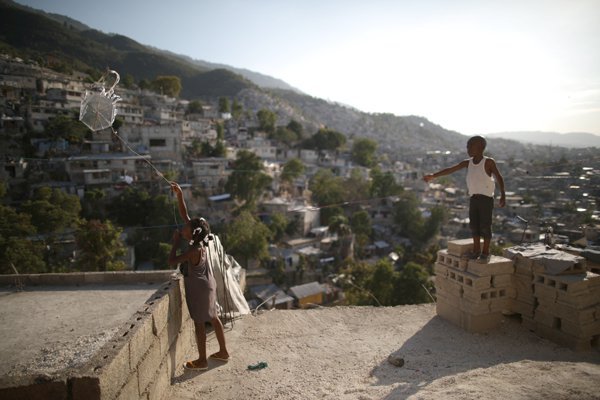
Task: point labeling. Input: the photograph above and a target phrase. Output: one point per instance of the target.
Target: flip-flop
(257, 366)
(215, 357)
(190, 365)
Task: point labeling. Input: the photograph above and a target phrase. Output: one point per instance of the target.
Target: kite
(99, 106)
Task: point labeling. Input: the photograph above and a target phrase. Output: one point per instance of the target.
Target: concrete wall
(137, 363)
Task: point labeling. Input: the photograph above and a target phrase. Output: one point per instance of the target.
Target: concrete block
(474, 307)
(111, 365)
(572, 284)
(577, 266)
(470, 280)
(448, 311)
(450, 260)
(501, 305)
(130, 390)
(160, 384)
(523, 308)
(502, 280)
(585, 330)
(141, 338)
(461, 247)
(566, 312)
(160, 315)
(148, 366)
(93, 277)
(440, 270)
(481, 323)
(496, 266)
(448, 287)
(580, 300)
(562, 338)
(487, 294)
(545, 294)
(547, 319)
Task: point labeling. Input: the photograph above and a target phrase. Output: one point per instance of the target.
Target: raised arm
(447, 171)
(180, 202)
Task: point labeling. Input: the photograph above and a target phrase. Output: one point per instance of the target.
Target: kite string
(138, 154)
(150, 164)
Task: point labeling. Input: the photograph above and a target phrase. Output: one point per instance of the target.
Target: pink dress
(201, 291)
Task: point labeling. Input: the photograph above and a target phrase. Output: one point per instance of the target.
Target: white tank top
(478, 181)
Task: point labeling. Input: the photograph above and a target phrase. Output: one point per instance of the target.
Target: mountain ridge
(37, 35)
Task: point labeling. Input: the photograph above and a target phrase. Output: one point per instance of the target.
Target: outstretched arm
(180, 202)
(447, 171)
(493, 168)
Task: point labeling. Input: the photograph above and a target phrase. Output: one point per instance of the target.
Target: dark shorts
(480, 215)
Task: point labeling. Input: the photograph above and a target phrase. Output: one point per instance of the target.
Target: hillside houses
(158, 129)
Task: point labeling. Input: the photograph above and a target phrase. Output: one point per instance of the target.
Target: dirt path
(342, 353)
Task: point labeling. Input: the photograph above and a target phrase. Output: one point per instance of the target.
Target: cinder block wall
(562, 305)
(137, 363)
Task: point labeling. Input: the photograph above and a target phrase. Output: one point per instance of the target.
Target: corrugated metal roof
(306, 290)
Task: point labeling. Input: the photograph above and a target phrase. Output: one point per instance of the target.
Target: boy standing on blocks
(482, 173)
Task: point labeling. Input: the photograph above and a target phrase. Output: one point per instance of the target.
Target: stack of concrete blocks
(560, 304)
(469, 294)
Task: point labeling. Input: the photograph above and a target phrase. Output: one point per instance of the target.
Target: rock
(396, 360)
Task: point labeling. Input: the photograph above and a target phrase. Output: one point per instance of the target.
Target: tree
(16, 246)
(266, 120)
(327, 190)
(247, 181)
(292, 169)
(99, 247)
(94, 204)
(360, 222)
(412, 284)
(53, 210)
(325, 139)
(339, 225)
(223, 105)
(278, 226)
(237, 111)
(384, 184)
(296, 127)
(408, 220)
(65, 127)
(194, 107)
(247, 238)
(363, 152)
(168, 85)
(285, 136)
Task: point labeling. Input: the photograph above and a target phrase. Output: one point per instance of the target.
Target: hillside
(574, 139)
(42, 37)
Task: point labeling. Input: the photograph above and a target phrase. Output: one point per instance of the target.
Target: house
(308, 294)
(271, 296)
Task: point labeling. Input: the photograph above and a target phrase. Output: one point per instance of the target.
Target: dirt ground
(344, 353)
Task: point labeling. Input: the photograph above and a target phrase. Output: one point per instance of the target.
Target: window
(158, 142)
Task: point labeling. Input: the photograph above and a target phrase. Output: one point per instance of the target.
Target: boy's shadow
(442, 349)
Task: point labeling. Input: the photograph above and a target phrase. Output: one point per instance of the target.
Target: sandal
(192, 365)
(216, 357)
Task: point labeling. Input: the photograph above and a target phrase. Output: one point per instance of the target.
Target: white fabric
(478, 181)
(230, 299)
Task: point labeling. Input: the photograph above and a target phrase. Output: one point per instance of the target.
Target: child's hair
(478, 138)
(200, 231)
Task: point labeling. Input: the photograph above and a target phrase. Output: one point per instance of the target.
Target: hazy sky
(474, 66)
